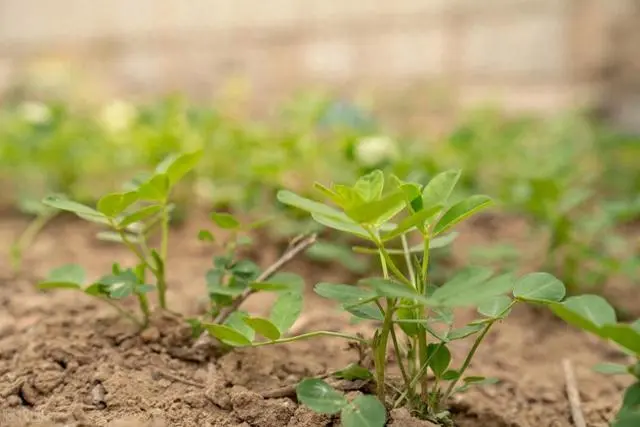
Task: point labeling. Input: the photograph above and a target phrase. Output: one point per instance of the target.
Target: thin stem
(144, 307)
(472, 352)
(27, 237)
(396, 347)
(422, 337)
(135, 250)
(380, 350)
(122, 311)
(416, 378)
(407, 258)
(164, 247)
(312, 335)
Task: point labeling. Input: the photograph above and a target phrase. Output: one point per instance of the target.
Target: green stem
(407, 258)
(396, 346)
(122, 311)
(380, 350)
(422, 337)
(416, 378)
(144, 307)
(164, 247)
(311, 335)
(28, 236)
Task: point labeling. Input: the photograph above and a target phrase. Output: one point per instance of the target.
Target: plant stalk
(311, 335)
(164, 248)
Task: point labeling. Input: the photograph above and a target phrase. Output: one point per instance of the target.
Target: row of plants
(576, 183)
(412, 313)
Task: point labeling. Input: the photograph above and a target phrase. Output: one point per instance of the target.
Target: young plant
(593, 314)
(414, 315)
(131, 217)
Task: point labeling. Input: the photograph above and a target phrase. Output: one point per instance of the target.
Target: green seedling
(131, 218)
(415, 315)
(593, 314)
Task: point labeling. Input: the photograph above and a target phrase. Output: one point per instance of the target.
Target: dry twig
(573, 394)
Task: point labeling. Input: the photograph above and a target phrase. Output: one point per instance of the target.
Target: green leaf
(320, 396)
(176, 167)
(156, 189)
(344, 223)
(71, 273)
(46, 285)
(332, 195)
(370, 186)
(451, 375)
(468, 287)
(225, 220)
(343, 293)
(461, 211)
(495, 307)
(331, 252)
(139, 215)
(311, 206)
(392, 289)
(416, 220)
(205, 236)
(442, 241)
(366, 311)
(587, 312)
(627, 419)
(380, 211)
(463, 332)
(286, 310)
(114, 204)
(631, 398)
(611, 369)
(227, 335)
(624, 335)
(364, 411)
(440, 358)
(439, 189)
(84, 212)
(539, 287)
(480, 380)
(353, 372)
(263, 327)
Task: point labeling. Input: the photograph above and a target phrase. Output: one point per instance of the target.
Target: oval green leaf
(495, 307)
(286, 310)
(320, 396)
(84, 212)
(263, 327)
(460, 211)
(227, 335)
(225, 220)
(353, 372)
(416, 220)
(139, 215)
(539, 287)
(439, 358)
(343, 293)
(439, 189)
(364, 411)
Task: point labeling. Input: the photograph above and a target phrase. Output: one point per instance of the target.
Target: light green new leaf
(71, 273)
(320, 396)
(114, 204)
(286, 310)
(227, 335)
(330, 194)
(343, 293)
(311, 206)
(236, 322)
(495, 307)
(539, 287)
(416, 220)
(370, 186)
(263, 327)
(378, 212)
(84, 212)
(177, 166)
(341, 224)
(439, 189)
(364, 411)
(139, 215)
(225, 220)
(461, 211)
(155, 190)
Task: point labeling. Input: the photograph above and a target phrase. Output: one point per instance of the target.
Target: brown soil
(66, 359)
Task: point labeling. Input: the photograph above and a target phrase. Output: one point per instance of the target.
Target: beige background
(540, 55)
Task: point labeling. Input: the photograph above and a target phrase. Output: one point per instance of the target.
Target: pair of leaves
(363, 411)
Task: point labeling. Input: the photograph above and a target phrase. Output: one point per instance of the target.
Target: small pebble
(150, 335)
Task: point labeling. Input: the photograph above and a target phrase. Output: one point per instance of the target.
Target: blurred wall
(541, 55)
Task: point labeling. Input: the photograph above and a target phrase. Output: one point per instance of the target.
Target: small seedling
(416, 316)
(131, 218)
(594, 314)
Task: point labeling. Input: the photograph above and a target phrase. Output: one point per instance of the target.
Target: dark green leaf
(320, 396)
(587, 312)
(468, 287)
(438, 190)
(366, 312)
(495, 307)
(205, 236)
(451, 375)
(286, 310)
(343, 293)
(539, 287)
(480, 380)
(245, 270)
(461, 211)
(263, 327)
(225, 220)
(631, 398)
(227, 335)
(364, 411)
(353, 372)
(627, 419)
(440, 358)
